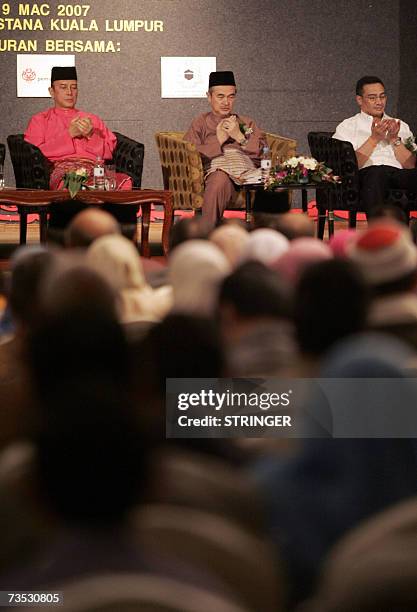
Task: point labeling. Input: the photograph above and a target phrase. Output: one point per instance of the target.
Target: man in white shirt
(378, 140)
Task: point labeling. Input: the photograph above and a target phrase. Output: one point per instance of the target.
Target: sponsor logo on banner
(28, 75)
(186, 77)
(33, 73)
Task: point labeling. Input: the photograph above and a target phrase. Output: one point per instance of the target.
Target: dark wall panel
(407, 106)
(296, 63)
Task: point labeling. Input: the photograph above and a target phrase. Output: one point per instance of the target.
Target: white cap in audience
(385, 252)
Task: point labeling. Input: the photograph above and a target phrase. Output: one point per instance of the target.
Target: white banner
(186, 77)
(33, 73)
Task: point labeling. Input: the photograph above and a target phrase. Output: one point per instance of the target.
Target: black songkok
(63, 73)
(222, 78)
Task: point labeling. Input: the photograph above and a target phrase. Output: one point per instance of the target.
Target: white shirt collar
(369, 118)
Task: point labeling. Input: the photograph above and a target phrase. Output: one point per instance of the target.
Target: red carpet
(9, 213)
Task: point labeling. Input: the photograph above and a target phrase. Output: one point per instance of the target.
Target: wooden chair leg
(352, 219)
(43, 226)
(304, 202)
(168, 221)
(321, 222)
(146, 220)
(248, 206)
(23, 225)
(330, 222)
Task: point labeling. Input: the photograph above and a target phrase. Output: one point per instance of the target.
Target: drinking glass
(1, 176)
(110, 182)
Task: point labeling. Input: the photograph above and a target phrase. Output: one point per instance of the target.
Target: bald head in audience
(289, 224)
(88, 225)
(188, 228)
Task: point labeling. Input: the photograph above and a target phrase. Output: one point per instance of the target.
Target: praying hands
(81, 127)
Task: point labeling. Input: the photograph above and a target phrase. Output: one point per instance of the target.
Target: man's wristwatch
(243, 142)
(396, 142)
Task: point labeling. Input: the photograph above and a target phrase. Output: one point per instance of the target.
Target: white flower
(310, 163)
(81, 172)
(292, 162)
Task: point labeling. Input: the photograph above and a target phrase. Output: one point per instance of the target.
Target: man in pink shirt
(229, 144)
(68, 137)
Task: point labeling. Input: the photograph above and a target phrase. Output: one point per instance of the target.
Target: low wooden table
(324, 213)
(38, 201)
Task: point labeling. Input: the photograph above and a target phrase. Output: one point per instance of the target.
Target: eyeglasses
(374, 97)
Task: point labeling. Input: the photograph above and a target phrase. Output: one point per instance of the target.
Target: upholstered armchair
(182, 168)
(340, 156)
(128, 158)
(32, 169)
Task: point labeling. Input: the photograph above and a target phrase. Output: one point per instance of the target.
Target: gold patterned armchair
(182, 169)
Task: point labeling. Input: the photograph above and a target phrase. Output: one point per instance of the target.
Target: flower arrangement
(410, 144)
(299, 170)
(76, 180)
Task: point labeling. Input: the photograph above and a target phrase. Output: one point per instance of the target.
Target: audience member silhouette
(88, 225)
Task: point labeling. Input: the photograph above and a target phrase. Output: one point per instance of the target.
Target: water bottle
(98, 174)
(266, 162)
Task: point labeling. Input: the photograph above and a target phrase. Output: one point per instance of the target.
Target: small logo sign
(189, 74)
(28, 75)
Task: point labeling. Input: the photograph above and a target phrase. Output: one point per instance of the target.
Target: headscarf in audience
(387, 258)
(265, 245)
(196, 269)
(231, 239)
(302, 252)
(118, 261)
(385, 252)
(340, 242)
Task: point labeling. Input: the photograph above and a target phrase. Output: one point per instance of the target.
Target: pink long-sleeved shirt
(48, 130)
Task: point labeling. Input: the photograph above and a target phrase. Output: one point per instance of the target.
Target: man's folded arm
(405, 157)
(102, 141)
(195, 136)
(364, 152)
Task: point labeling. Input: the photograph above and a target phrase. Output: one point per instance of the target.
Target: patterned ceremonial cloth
(233, 162)
(60, 168)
